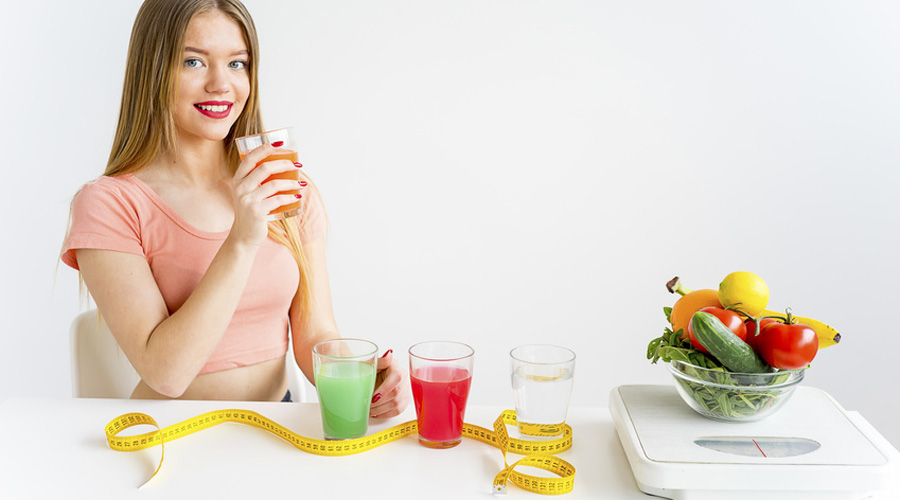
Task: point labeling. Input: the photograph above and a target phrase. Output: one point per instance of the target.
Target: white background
(505, 172)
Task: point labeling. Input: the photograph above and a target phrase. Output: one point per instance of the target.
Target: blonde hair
(146, 127)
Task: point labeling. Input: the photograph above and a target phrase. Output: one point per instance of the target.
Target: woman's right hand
(253, 198)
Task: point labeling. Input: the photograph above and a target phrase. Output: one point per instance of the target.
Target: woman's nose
(217, 81)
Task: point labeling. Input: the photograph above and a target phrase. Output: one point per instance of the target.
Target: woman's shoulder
(313, 220)
(105, 214)
(111, 183)
(122, 187)
(121, 193)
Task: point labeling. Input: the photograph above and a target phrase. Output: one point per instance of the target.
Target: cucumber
(728, 348)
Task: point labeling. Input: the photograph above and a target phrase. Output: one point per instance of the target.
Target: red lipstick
(214, 109)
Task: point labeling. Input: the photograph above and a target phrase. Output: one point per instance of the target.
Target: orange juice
(293, 175)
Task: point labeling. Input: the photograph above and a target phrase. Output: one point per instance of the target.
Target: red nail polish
(298, 165)
(303, 183)
(376, 397)
(387, 352)
(298, 196)
(277, 144)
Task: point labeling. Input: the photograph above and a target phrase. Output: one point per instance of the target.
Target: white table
(56, 448)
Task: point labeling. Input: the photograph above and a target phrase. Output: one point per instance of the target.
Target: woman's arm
(307, 332)
(391, 396)
(167, 352)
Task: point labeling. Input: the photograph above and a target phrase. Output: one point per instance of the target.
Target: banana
(828, 336)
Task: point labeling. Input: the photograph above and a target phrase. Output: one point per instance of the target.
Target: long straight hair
(146, 127)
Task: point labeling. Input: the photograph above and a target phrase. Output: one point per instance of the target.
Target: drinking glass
(440, 376)
(345, 378)
(542, 378)
(288, 152)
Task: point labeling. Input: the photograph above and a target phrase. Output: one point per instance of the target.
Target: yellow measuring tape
(537, 453)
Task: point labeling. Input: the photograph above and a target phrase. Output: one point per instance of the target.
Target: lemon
(745, 291)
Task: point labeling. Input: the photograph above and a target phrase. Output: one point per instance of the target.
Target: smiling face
(214, 79)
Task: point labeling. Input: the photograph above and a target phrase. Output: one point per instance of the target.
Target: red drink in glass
(440, 376)
(440, 394)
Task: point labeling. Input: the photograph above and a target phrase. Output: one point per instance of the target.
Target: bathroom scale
(811, 448)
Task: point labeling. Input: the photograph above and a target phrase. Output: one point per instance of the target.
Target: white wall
(503, 172)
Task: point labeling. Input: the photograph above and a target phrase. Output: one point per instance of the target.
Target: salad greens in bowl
(733, 397)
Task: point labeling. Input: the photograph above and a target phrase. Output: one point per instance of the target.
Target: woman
(173, 244)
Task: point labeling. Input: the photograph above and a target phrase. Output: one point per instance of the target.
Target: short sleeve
(313, 219)
(101, 218)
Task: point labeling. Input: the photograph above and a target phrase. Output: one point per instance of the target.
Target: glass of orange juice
(288, 152)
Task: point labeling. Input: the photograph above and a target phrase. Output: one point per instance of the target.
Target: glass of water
(542, 378)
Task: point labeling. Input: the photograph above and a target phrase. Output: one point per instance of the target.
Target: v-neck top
(124, 214)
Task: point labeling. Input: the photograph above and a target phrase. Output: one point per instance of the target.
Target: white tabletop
(56, 448)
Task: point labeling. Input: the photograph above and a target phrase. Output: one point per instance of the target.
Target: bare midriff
(265, 381)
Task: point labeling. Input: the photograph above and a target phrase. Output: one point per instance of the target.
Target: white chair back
(99, 367)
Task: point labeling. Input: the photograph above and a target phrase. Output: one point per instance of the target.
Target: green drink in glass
(345, 378)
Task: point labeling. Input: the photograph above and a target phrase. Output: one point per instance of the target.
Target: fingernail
(376, 397)
(303, 183)
(298, 196)
(387, 352)
(277, 144)
(298, 165)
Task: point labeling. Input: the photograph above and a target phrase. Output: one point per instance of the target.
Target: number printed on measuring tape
(538, 454)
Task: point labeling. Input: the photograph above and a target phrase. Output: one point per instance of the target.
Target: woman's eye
(238, 64)
(192, 63)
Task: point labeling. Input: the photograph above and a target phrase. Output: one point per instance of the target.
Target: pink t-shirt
(122, 213)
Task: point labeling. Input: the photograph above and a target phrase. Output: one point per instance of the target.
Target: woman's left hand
(391, 396)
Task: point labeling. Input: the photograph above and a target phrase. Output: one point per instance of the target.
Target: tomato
(787, 347)
(750, 326)
(730, 319)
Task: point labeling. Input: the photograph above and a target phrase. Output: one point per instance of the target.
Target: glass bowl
(733, 397)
